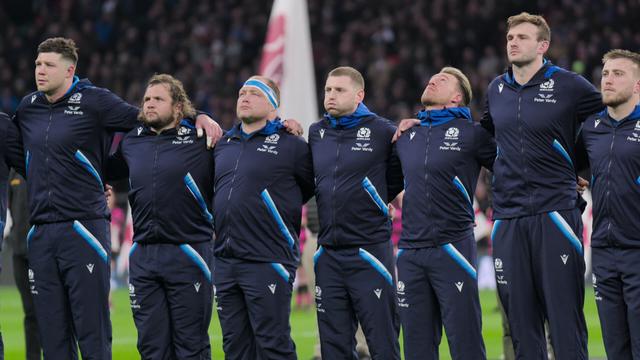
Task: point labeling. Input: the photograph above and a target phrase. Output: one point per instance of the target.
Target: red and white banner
(287, 59)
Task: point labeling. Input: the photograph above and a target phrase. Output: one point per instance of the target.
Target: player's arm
(589, 99)
(117, 167)
(14, 150)
(304, 171)
(485, 147)
(486, 121)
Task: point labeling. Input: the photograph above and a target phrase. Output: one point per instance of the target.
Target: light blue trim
(364, 254)
(87, 165)
(461, 260)
(494, 231)
(266, 198)
(317, 255)
(30, 235)
(91, 240)
(265, 89)
(27, 160)
(566, 230)
(281, 270)
(463, 190)
(197, 259)
(371, 190)
(193, 189)
(133, 248)
(400, 251)
(637, 181)
(560, 149)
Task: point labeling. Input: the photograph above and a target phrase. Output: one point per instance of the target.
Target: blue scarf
(438, 117)
(635, 114)
(270, 128)
(349, 121)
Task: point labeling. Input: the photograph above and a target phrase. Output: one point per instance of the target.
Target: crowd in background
(212, 47)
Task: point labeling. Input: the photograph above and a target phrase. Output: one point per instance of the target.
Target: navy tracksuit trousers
(69, 274)
(254, 304)
(357, 284)
(616, 283)
(171, 297)
(439, 285)
(540, 269)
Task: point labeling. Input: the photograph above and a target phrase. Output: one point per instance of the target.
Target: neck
(435, 107)
(59, 92)
(252, 127)
(621, 111)
(524, 73)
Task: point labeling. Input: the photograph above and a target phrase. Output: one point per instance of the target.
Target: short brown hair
(463, 83)
(623, 54)
(544, 32)
(352, 73)
(177, 92)
(270, 83)
(59, 45)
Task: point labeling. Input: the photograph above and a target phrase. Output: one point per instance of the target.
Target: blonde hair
(623, 54)
(463, 83)
(177, 92)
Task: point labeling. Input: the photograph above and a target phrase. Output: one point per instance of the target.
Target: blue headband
(265, 89)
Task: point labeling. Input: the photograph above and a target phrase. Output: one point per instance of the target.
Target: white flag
(287, 59)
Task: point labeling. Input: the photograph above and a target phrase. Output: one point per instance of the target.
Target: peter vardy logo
(271, 149)
(545, 98)
(73, 110)
(183, 137)
(75, 98)
(547, 85)
(272, 139)
(636, 133)
(362, 146)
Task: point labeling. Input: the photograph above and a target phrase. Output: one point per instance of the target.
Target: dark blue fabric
(349, 121)
(84, 120)
(614, 159)
(535, 127)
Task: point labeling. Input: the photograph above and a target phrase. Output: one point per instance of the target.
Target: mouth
(41, 82)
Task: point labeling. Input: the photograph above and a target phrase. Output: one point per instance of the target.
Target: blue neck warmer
(270, 128)
(349, 121)
(438, 117)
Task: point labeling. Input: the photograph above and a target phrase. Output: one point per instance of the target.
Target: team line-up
(218, 216)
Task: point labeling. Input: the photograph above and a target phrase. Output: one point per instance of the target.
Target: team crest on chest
(363, 140)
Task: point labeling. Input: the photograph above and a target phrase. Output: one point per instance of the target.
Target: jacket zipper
(333, 194)
(613, 138)
(522, 153)
(233, 179)
(154, 186)
(46, 159)
(426, 171)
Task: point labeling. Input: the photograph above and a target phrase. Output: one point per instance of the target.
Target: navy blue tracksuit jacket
(613, 148)
(258, 204)
(11, 155)
(536, 127)
(614, 157)
(441, 161)
(66, 146)
(357, 174)
(171, 184)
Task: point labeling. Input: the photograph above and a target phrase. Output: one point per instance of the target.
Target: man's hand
(108, 192)
(582, 185)
(405, 124)
(293, 127)
(211, 128)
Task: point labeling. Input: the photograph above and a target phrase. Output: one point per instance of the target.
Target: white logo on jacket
(363, 138)
(547, 85)
(272, 139)
(452, 133)
(184, 136)
(73, 110)
(545, 98)
(271, 149)
(635, 134)
(364, 134)
(500, 87)
(75, 98)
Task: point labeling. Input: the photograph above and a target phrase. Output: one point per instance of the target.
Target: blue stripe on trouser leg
(197, 259)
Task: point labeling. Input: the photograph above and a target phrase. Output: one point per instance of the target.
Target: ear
(360, 95)
(456, 99)
(543, 46)
(71, 71)
(636, 87)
